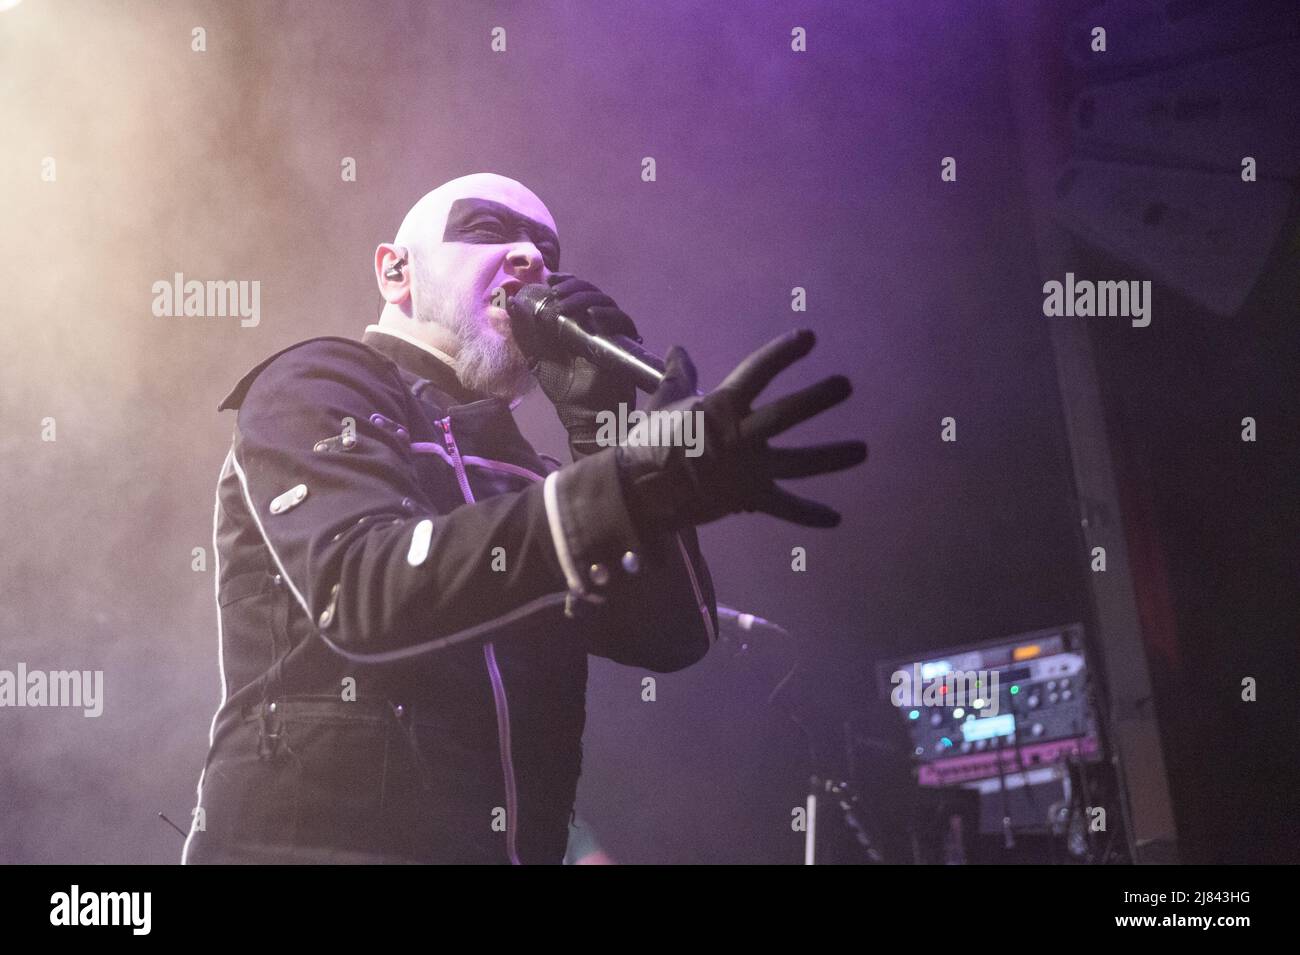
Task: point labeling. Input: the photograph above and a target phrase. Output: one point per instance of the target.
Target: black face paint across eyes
(485, 222)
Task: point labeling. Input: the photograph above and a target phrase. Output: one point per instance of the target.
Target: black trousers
(318, 780)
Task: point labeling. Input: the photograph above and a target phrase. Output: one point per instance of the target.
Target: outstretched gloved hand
(735, 469)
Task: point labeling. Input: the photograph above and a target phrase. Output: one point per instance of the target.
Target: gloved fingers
(797, 510)
(597, 312)
(576, 305)
(815, 459)
(564, 284)
(611, 320)
(755, 372)
(791, 409)
(679, 379)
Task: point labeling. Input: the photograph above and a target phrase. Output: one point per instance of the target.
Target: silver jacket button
(631, 562)
(289, 499)
(599, 575)
(327, 615)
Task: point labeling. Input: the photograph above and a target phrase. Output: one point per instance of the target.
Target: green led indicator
(1014, 689)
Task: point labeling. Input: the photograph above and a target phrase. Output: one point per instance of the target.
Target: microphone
(616, 353)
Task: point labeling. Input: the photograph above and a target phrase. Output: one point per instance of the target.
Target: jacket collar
(421, 360)
(484, 423)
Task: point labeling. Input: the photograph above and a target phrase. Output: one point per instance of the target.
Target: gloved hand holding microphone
(578, 389)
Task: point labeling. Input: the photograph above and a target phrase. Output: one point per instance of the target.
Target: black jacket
(370, 503)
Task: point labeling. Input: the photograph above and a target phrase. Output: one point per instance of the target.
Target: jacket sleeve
(356, 535)
(665, 616)
(654, 607)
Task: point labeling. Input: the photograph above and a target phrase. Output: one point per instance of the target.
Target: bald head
(465, 244)
(427, 221)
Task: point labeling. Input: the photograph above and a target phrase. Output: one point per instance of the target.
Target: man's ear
(393, 272)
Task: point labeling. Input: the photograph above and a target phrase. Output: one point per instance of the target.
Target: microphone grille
(532, 298)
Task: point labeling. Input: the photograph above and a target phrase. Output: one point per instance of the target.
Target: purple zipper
(456, 462)
(494, 673)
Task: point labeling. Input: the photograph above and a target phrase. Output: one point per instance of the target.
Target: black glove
(735, 470)
(578, 389)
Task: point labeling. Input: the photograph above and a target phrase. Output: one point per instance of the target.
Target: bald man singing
(408, 592)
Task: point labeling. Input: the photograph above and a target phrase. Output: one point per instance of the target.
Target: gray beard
(492, 366)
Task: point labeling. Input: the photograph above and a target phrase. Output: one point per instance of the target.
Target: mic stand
(835, 792)
(839, 794)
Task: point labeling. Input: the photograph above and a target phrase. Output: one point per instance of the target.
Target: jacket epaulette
(235, 398)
